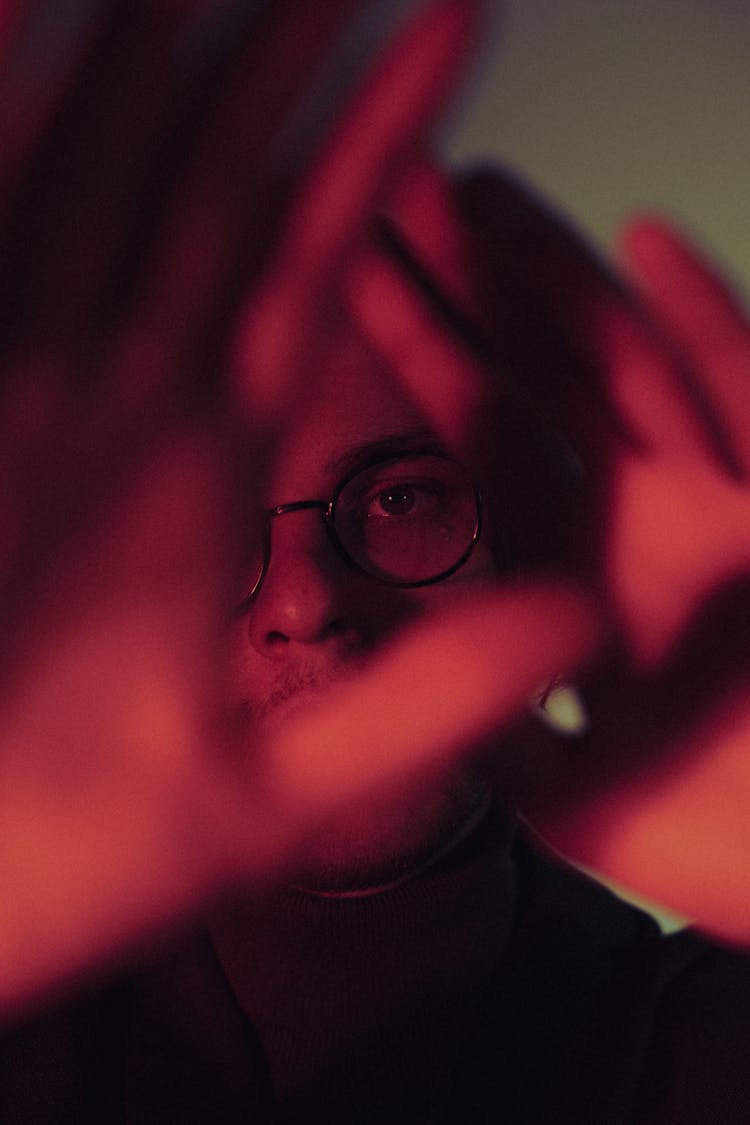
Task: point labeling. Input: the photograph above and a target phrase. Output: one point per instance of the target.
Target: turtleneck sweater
(362, 1001)
(491, 986)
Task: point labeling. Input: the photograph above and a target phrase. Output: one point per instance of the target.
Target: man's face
(315, 619)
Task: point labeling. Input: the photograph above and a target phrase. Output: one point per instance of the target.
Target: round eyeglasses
(410, 519)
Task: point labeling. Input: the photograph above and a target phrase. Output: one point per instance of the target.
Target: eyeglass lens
(409, 520)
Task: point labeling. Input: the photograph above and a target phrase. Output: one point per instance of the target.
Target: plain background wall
(611, 107)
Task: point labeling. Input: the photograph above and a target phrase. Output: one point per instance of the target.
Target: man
(416, 964)
(422, 904)
(419, 964)
(315, 617)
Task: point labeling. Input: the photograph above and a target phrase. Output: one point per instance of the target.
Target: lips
(297, 693)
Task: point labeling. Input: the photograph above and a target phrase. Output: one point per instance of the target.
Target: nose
(302, 599)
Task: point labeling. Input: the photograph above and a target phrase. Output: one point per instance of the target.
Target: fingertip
(441, 37)
(649, 239)
(462, 16)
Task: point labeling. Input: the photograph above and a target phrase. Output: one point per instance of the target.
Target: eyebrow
(356, 457)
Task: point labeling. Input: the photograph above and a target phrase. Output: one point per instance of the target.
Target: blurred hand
(128, 459)
(677, 566)
(655, 393)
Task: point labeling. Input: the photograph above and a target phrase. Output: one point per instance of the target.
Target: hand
(677, 561)
(657, 399)
(124, 801)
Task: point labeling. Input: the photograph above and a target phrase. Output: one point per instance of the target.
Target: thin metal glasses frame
(328, 513)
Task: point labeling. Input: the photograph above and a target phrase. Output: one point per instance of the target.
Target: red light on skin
(680, 515)
(679, 834)
(679, 531)
(447, 684)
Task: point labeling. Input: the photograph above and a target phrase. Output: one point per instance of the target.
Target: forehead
(354, 408)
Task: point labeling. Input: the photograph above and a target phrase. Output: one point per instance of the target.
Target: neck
(360, 997)
(365, 880)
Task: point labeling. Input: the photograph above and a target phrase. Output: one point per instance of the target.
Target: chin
(386, 840)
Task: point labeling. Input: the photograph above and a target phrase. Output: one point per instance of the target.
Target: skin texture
(677, 562)
(315, 620)
(124, 800)
(127, 798)
(656, 794)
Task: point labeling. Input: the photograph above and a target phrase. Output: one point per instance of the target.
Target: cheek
(373, 611)
(480, 572)
(481, 565)
(480, 569)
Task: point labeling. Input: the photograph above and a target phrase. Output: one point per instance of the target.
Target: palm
(677, 564)
(657, 793)
(679, 522)
(124, 800)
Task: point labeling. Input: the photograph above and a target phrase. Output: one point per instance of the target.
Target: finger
(104, 731)
(25, 101)
(106, 224)
(448, 684)
(499, 399)
(647, 385)
(163, 216)
(71, 206)
(697, 310)
(480, 408)
(10, 14)
(412, 292)
(414, 341)
(676, 830)
(575, 332)
(541, 287)
(388, 115)
(445, 684)
(227, 206)
(422, 207)
(676, 534)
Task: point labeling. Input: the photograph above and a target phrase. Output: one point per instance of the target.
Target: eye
(402, 498)
(397, 501)
(407, 521)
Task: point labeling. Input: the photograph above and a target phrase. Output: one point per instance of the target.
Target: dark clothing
(495, 987)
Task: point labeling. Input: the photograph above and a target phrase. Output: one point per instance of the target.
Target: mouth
(294, 706)
(295, 696)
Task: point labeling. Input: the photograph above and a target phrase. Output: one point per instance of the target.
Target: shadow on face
(315, 619)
